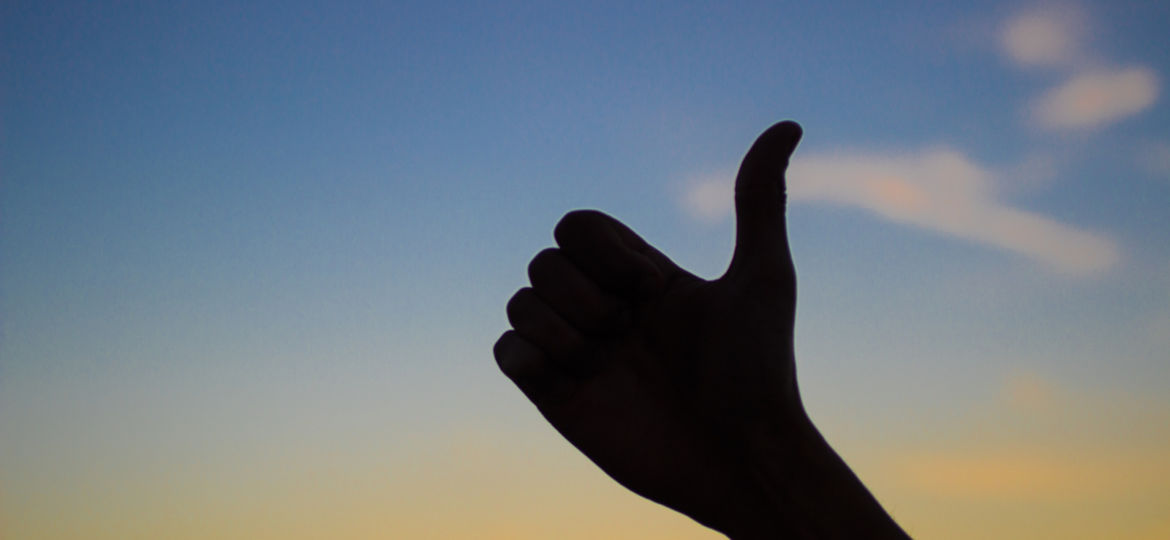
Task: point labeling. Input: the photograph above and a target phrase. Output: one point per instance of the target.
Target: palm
(649, 370)
(674, 400)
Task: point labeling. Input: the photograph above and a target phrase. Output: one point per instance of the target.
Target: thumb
(761, 237)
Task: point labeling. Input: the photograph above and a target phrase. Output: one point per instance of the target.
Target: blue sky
(235, 235)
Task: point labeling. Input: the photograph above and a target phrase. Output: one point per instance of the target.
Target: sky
(253, 257)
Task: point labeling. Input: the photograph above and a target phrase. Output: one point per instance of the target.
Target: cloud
(943, 191)
(938, 189)
(710, 198)
(1097, 92)
(1097, 98)
(1044, 37)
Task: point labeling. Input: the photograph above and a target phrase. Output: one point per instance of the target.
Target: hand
(672, 384)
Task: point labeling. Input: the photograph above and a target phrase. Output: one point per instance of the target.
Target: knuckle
(500, 349)
(504, 352)
(515, 358)
(519, 303)
(574, 223)
(542, 264)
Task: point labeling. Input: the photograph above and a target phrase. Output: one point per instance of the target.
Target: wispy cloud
(1044, 36)
(942, 190)
(938, 189)
(1096, 93)
(1097, 98)
(710, 197)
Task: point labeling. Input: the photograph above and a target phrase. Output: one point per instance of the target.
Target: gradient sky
(253, 258)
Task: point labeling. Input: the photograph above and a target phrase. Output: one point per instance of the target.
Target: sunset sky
(253, 257)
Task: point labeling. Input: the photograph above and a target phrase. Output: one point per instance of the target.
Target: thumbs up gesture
(683, 389)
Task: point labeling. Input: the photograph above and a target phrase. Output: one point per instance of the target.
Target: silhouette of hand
(656, 375)
(682, 389)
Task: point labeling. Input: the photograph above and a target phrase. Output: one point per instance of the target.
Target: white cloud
(1097, 93)
(710, 198)
(1097, 98)
(1044, 37)
(943, 191)
(938, 189)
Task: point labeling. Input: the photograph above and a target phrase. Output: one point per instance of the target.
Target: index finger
(608, 253)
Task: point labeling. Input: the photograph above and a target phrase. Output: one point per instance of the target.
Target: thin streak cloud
(943, 191)
(1097, 98)
(1096, 93)
(939, 189)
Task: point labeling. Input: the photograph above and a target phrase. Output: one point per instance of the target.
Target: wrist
(805, 490)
